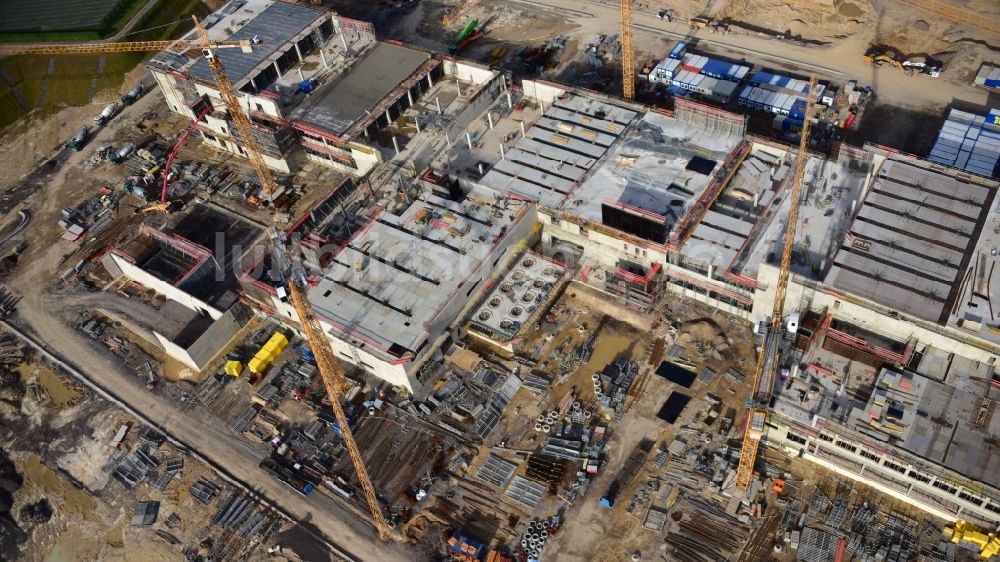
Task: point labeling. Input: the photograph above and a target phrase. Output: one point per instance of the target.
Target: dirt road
(39, 314)
(840, 63)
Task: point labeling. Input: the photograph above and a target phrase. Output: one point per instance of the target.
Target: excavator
(883, 55)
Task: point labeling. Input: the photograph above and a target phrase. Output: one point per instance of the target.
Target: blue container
(678, 51)
(761, 77)
(716, 68)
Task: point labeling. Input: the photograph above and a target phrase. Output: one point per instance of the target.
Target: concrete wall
(482, 101)
(870, 316)
(175, 351)
(219, 335)
(542, 92)
(231, 147)
(164, 288)
(174, 100)
(355, 354)
(606, 250)
(893, 472)
(467, 72)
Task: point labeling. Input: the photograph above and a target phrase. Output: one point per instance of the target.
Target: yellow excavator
(879, 56)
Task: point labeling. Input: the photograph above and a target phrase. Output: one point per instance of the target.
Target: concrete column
(322, 57)
(343, 41)
(510, 100)
(480, 166)
(395, 144)
(468, 139)
(409, 96)
(459, 86)
(254, 84)
(277, 68)
(522, 127)
(388, 118)
(430, 81)
(298, 51)
(437, 101)
(447, 138)
(302, 77)
(711, 270)
(502, 155)
(489, 119)
(416, 123)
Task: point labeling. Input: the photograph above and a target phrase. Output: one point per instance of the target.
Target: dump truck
(132, 95)
(698, 22)
(107, 114)
(122, 153)
(78, 142)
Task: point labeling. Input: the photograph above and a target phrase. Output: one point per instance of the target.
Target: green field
(69, 83)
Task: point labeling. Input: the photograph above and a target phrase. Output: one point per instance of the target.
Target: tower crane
(628, 66)
(207, 47)
(330, 371)
(767, 362)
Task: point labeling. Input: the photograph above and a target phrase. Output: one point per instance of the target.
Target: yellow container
(233, 368)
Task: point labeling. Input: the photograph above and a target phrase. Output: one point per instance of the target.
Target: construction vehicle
(163, 206)
(207, 47)
(775, 335)
(665, 15)
(466, 36)
(329, 369)
(879, 56)
(628, 65)
(109, 111)
(120, 155)
(698, 22)
(77, 143)
(924, 66)
(132, 95)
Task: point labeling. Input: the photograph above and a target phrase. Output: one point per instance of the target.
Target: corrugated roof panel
(275, 26)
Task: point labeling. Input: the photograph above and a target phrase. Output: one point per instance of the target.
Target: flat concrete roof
(939, 422)
(275, 26)
(912, 239)
(397, 273)
(560, 148)
(335, 107)
(521, 294)
(647, 169)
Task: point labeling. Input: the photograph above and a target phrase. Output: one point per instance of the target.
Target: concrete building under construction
(892, 264)
(316, 86)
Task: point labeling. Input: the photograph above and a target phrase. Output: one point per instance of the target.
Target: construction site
(326, 294)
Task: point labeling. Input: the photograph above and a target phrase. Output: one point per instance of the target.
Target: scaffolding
(636, 291)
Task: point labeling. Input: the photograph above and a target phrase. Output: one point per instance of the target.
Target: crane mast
(628, 67)
(333, 378)
(243, 126)
(767, 361)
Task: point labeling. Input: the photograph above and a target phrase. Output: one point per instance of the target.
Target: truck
(107, 114)
(132, 95)
(77, 143)
(924, 66)
(122, 153)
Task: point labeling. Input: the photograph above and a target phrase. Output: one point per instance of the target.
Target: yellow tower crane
(226, 91)
(330, 371)
(628, 66)
(767, 362)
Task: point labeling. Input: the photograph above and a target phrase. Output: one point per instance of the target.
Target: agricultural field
(53, 16)
(40, 85)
